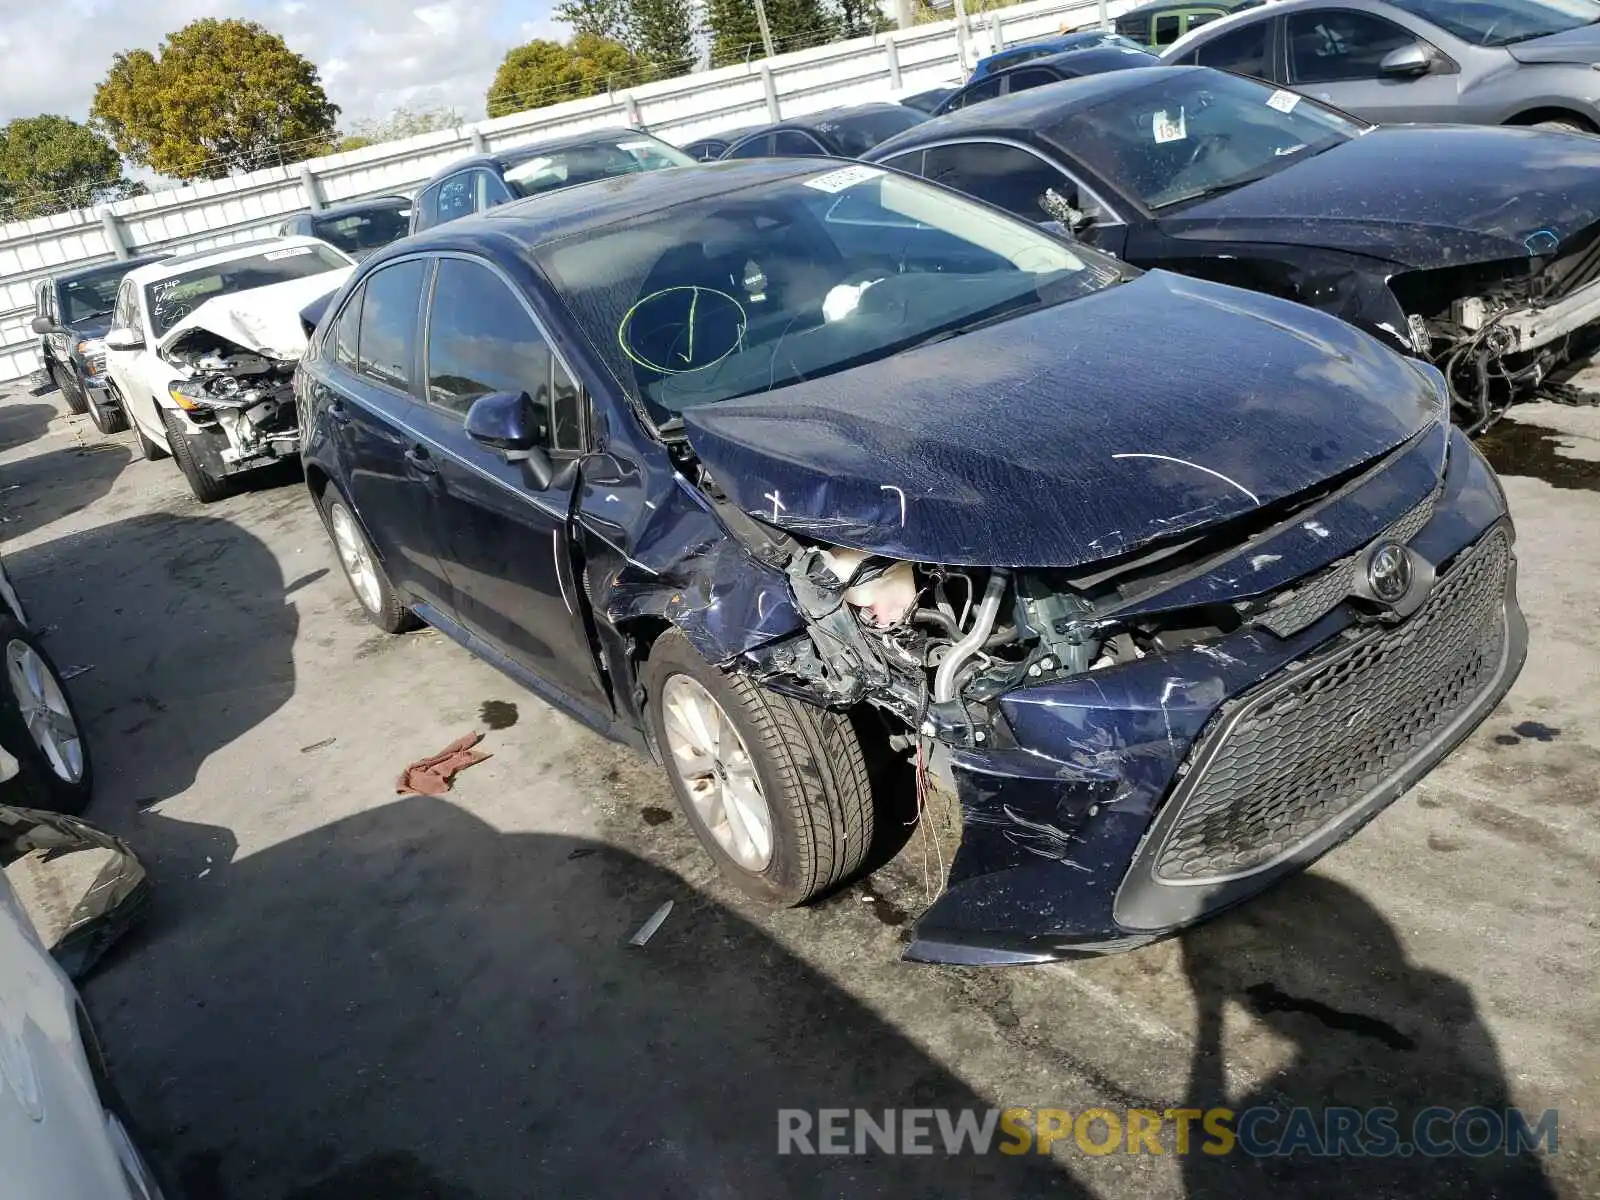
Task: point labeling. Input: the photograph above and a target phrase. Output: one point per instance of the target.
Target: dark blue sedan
(778, 469)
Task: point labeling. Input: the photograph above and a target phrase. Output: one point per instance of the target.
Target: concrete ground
(341, 994)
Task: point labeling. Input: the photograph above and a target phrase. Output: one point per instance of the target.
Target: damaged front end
(238, 400)
(1498, 330)
(1138, 744)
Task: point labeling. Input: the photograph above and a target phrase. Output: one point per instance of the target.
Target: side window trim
(1116, 217)
(556, 359)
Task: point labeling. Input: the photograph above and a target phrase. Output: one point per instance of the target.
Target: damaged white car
(202, 350)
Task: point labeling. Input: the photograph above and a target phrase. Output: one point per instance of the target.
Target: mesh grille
(1293, 758)
(1315, 598)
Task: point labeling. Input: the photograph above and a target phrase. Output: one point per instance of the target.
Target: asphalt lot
(342, 994)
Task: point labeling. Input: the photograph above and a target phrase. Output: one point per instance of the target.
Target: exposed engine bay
(1498, 330)
(245, 394)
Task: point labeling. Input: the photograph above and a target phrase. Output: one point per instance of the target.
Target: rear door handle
(420, 461)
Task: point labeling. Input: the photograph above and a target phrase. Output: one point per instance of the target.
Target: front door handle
(420, 461)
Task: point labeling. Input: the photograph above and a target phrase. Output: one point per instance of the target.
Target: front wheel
(777, 791)
(207, 488)
(71, 390)
(40, 728)
(106, 420)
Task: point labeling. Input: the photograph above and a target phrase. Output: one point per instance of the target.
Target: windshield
(90, 296)
(360, 233)
(854, 134)
(599, 159)
(796, 278)
(172, 299)
(1193, 133)
(1501, 22)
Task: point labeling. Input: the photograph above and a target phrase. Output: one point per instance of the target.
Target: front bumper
(1540, 324)
(1158, 794)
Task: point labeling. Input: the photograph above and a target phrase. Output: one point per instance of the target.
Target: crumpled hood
(1418, 196)
(1580, 45)
(265, 319)
(1072, 434)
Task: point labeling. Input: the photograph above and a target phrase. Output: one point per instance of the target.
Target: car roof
(510, 157)
(216, 255)
(1161, 6)
(121, 265)
(352, 206)
(1085, 57)
(1028, 109)
(809, 121)
(585, 207)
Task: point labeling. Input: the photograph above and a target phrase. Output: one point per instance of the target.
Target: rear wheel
(1562, 126)
(207, 488)
(777, 791)
(40, 727)
(362, 570)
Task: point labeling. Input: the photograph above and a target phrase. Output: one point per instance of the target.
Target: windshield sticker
(837, 181)
(291, 252)
(1283, 101)
(1168, 129)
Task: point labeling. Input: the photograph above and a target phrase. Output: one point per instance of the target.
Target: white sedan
(202, 350)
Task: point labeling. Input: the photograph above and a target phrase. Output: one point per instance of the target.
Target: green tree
(661, 34)
(602, 18)
(795, 24)
(50, 163)
(858, 18)
(544, 72)
(217, 96)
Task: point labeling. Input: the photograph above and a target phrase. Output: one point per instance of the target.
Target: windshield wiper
(99, 312)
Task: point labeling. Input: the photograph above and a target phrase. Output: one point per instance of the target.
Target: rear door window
(457, 197)
(343, 341)
(388, 324)
(481, 339)
(1242, 51)
(1327, 45)
(793, 143)
(756, 147)
(1168, 27)
(986, 89)
(1030, 77)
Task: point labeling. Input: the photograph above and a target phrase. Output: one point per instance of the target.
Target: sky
(373, 55)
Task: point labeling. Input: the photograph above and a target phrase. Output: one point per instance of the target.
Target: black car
(475, 184)
(1476, 248)
(927, 101)
(835, 132)
(71, 314)
(357, 228)
(709, 149)
(776, 469)
(1053, 68)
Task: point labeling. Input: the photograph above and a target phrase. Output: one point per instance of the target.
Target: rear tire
(207, 488)
(362, 569)
(41, 782)
(1563, 126)
(807, 763)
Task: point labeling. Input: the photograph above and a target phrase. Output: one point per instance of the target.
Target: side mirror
(123, 338)
(1060, 211)
(1406, 62)
(507, 422)
(42, 325)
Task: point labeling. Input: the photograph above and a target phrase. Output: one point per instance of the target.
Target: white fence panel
(224, 211)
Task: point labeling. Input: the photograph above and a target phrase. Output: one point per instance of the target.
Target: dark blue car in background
(794, 473)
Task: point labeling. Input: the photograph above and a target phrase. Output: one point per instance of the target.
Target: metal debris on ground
(648, 929)
(322, 745)
(74, 672)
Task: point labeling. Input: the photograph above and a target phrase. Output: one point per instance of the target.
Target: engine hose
(944, 679)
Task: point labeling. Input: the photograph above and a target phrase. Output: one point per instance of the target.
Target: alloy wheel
(44, 710)
(355, 557)
(717, 772)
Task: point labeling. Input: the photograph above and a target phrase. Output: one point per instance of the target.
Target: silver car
(1476, 62)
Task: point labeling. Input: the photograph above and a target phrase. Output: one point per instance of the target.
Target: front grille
(1306, 747)
(1315, 598)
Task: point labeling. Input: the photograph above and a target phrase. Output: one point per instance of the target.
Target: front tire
(77, 402)
(106, 420)
(362, 570)
(40, 727)
(207, 488)
(777, 791)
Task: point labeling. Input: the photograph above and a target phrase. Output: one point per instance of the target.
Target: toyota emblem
(1389, 572)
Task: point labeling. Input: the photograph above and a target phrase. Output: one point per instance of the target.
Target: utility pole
(961, 35)
(766, 31)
